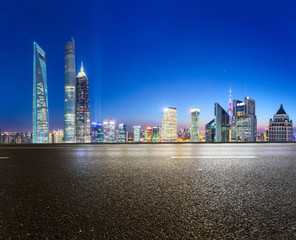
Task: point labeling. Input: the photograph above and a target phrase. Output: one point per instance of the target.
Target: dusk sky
(143, 56)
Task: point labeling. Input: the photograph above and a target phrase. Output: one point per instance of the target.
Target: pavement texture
(148, 191)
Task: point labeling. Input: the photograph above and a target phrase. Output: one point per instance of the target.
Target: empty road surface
(148, 191)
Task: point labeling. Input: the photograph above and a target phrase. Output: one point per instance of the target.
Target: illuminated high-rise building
(169, 125)
(40, 97)
(137, 133)
(82, 108)
(70, 94)
(210, 131)
(148, 134)
(194, 130)
(58, 136)
(244, 121)
(122, 133)
(155, 134)
(109, 130)
(221, 124)
(280, 127)
(98, 132)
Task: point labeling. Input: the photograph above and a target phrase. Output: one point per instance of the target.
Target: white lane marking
(216, 157)
(4, 157)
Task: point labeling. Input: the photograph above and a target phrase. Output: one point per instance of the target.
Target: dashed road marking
(212, 157)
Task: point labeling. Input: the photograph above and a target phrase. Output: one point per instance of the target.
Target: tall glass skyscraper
(244, 121)
(40, 97)
(98, 132)
(122, 133)
(194, 130)
(210, 131)
(137, 133)
(169, 125)
(222, 124)
(109, 130)
(155, 134)
(82, 108)
(148, 134)
(70, 96)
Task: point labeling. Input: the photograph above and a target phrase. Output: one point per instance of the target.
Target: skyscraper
(210, 131)
(109, 130)
(70, 94)
(82, 108)
(221, 124)
(155, 134)
(148, 134)
(98, 132)
(122, 133)
(137, 133)
(169, 125)
(281, 127)
(244, 121)
(194, 130)
(40, 97)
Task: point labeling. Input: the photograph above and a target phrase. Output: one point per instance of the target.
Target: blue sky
(143, 56)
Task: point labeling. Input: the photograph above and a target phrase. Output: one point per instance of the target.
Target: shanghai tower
(40, 97)
(70, 85)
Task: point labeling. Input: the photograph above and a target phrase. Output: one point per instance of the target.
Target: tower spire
(229, 111)
(82, 68)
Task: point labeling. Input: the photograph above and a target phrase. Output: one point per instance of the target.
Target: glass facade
(194, 130)
(222, 124)
(98, 132)
(122, 133)
(70, 96)
(244, 121)
(40, 97)
(82, 108)
(148, 134)
(137, 133)
(155, 134)
(169, 125)
(210, 131)
(109, 130)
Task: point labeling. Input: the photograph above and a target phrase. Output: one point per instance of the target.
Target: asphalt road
(171, 191)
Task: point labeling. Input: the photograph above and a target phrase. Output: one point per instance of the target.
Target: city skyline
(195, 60)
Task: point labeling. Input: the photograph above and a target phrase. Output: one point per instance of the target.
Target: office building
(122, 133)
(155, 134)
(210, 131)
(137, 133)
(97, 132)
(148, 134)
(58, 136)
(109, 130)
(70, 93)
(194, 130)
(222, 124)
(82, 108)
(244, 121)
(169, 125)
(40, 97)
(280, 127)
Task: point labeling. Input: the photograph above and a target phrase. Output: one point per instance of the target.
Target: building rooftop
(281, 110)
(81, 73)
